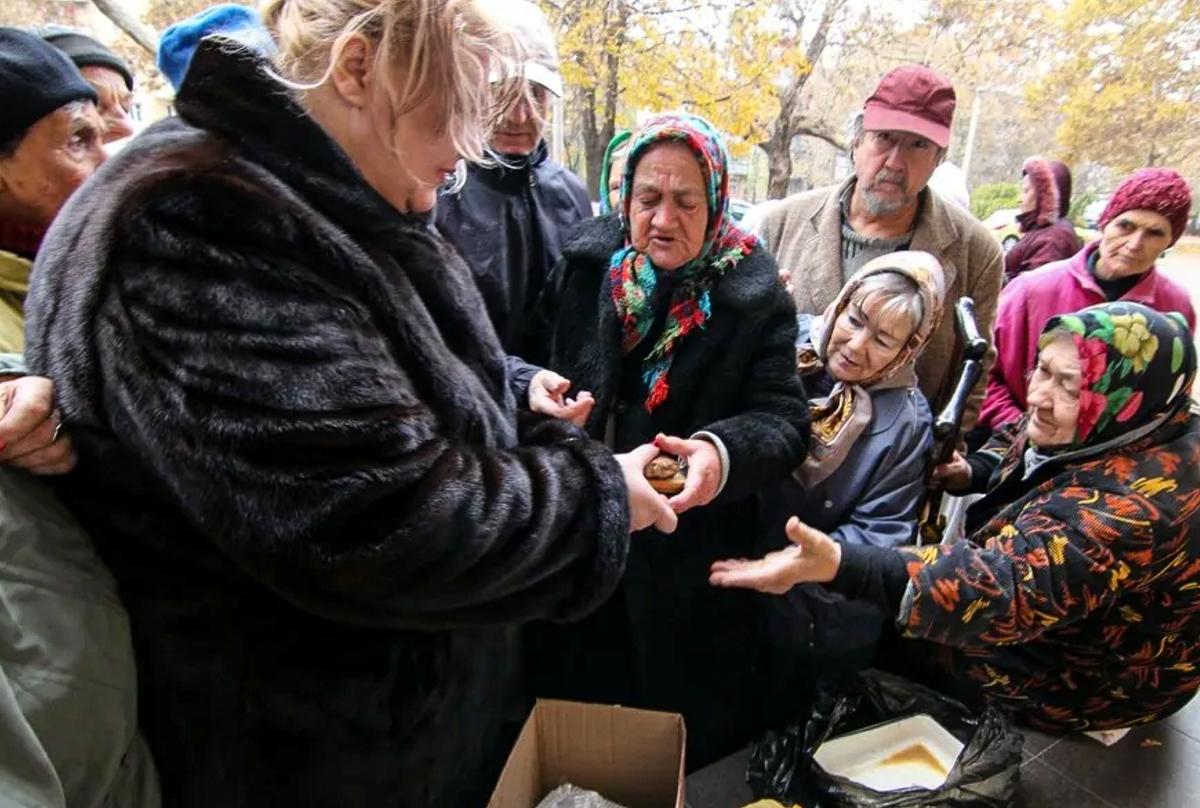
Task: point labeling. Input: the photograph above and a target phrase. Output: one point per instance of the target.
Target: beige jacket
(804, 233)
(14, 285)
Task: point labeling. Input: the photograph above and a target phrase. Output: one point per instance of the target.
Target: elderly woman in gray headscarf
(871, 447)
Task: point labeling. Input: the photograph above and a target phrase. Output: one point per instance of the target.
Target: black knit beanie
(87, 52)
(35, 80)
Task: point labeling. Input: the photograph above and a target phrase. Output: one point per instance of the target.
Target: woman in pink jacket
(1147, 215)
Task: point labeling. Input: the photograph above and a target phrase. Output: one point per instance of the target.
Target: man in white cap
(509, 219)
(824, 236)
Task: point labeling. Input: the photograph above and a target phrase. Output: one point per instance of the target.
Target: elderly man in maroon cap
(824, 236)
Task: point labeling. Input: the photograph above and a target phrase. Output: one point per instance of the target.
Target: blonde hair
(448, 49)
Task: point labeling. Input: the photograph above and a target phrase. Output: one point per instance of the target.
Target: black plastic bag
(985, 775)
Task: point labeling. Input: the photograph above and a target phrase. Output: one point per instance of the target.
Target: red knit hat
(1156, 189)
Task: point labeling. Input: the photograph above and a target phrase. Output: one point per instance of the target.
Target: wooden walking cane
(948, 424)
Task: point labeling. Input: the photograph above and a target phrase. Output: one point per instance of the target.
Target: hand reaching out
(813, 557)
(547, 396)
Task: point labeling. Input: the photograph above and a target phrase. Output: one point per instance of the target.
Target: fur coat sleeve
(335, 445)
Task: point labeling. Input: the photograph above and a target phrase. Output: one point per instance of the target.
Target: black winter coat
(298, 456)
(670, 641)
(509, 223)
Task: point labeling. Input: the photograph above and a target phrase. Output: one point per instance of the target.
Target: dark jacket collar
(509, 171)
(230, 93)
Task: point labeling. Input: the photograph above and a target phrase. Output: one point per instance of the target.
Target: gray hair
(900, 295)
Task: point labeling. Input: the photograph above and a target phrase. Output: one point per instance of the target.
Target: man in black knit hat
(50, 142)
(104, 70)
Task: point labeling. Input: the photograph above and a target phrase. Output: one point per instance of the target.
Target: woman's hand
(547, 393)
(703, 471)
(954, 476)
(813, 558)
(30, 433)
(647, 507)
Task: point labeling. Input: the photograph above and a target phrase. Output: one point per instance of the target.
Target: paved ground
(1152, 767)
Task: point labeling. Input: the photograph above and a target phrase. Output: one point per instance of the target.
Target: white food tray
(914, 752)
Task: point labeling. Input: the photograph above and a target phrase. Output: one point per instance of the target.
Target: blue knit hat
(179, 42)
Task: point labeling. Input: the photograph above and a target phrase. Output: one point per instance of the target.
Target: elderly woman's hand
(547, 396)
(703, 471)
(30, 434)
(954, 476)
(813, 558)
(647, 507)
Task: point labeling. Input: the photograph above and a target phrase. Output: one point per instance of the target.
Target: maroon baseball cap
(914, 99)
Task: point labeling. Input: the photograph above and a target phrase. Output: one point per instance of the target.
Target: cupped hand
(547, 396)
(647, 507)
(31, 437)
(812, 557)
(703, 471)
(954, 476)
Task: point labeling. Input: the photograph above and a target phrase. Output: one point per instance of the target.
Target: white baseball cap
(531, 28)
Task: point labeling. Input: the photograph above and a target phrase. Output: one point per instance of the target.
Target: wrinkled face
(865, 339)
(56, 155)
(616, 172)
(1055, 387)
(892, 168)
(116, 101)
(668, 211)
(1028, 195)
(519, 134)
(1132, 242)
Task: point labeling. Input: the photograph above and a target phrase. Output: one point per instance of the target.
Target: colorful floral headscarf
(1137, 364)
(634, 276)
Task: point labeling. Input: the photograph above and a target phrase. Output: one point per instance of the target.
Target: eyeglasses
(881, 142)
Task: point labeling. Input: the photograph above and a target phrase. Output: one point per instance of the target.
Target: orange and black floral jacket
(1077, 604)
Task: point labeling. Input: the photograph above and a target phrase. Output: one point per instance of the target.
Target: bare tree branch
(128, 22)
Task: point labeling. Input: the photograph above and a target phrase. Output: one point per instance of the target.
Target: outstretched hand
(812, 557)
(547, 396)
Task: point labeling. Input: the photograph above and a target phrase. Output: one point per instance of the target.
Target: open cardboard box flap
(632, 757)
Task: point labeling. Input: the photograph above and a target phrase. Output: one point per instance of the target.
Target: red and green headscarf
(634, 276)
(1137, 367)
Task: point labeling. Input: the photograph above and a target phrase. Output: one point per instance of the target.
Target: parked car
(1093, 212)
(1003, 225)
(739, 208)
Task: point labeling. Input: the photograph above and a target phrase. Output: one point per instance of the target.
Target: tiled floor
(1151, 767)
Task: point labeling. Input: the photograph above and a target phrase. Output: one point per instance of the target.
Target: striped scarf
(634, 276)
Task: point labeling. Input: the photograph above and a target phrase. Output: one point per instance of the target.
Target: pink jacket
(1028, 303)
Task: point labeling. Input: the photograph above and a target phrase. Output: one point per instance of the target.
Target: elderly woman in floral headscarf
(871, 448)
(1075, 603)
(676, 323)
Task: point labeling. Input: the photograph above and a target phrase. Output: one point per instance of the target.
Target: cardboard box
(632, 757)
